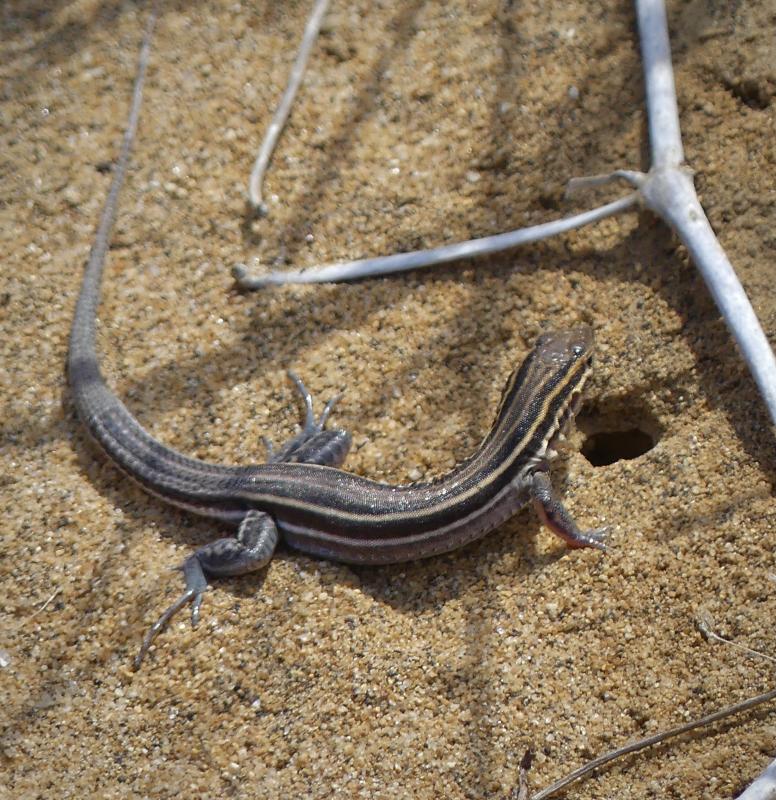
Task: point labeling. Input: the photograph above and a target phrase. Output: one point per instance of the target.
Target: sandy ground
(420, 123)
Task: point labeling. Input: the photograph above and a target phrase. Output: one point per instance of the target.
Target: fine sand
(419, 123)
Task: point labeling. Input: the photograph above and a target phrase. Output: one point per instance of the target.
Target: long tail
(82, 364)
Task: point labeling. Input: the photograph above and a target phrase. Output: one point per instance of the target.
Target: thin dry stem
(256, 181)
(650, 741)
(45, 605)
(705, 624)
(400, 262)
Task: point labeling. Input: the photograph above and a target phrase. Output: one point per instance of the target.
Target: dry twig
(256, 181)
(763, 788)
(649, 741)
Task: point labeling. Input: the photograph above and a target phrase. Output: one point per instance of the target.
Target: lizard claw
(196, 586)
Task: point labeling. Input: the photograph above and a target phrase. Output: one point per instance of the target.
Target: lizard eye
(578, 350)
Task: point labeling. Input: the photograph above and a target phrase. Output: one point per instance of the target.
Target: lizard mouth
(564, 420)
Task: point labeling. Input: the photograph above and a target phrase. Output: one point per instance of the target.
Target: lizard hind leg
(251, 549)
